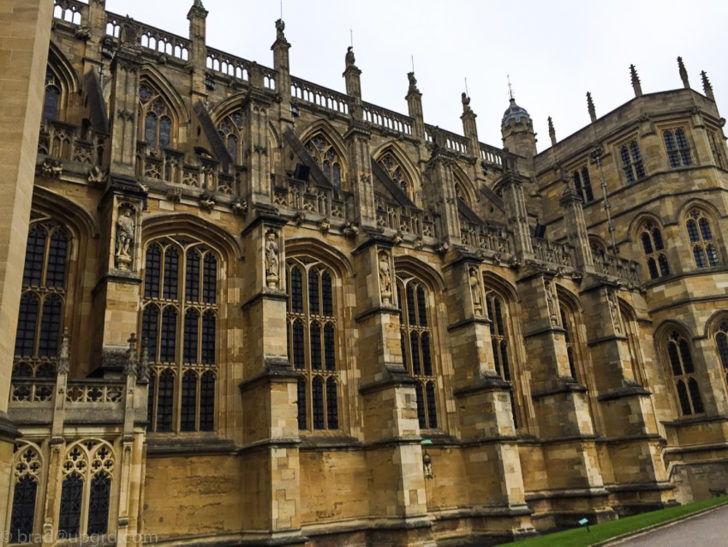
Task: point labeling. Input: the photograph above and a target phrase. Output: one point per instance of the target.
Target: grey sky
(553, 50)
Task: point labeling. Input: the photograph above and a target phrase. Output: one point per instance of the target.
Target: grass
(600, 532)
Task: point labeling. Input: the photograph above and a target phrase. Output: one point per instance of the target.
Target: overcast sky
(554, 50)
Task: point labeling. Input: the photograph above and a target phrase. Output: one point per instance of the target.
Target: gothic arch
(421, 270)
(663, 330)
(469, 195)
(707, 207)
(569, 298)
(63, 69)
(325, 127)
(713, 322)
(328, 255)
(168, 91)
(501, 285)
(226, 107)
(406, 164)
(72, 215)
(638, 221)
(165, 224)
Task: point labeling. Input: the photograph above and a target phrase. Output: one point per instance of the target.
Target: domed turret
(517, 130)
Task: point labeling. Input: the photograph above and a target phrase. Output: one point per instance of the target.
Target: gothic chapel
(254, 310)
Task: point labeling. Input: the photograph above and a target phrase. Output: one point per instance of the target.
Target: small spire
(707, 87)
(683, 73)
(510, 88)
(552, 132)
(131, 356)
(635, 81)
(590, 107)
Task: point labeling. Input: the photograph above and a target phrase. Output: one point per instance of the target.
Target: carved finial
(635, 81)
(412, 82)
(590, 106)
(130, 367)
(707, 87)
(64, 353)
(683, 73)
(280, 27)
(510, 87)
(198, 9)
(143, 366)
(552, 132)
(350, 60)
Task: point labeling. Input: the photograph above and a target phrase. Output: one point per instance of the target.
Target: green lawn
(579, 536)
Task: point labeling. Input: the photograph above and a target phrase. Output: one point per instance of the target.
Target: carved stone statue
(124, 237)
(551, 304)
(280, 27)
(385, 279)
(272, 260)
(475, 292)
(350, 56)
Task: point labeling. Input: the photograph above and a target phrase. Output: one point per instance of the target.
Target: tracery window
(417, 351)
(40, 318)
(27, 466)
(704, 246)
(179, 325)
(231, 133)
(85, 490)
(654, 249)
(155, 118)
(721, 343)
(500, 342)
(632, 161)
(52, 97)
(683, 372)
(582, 184)
(312, 342)
(324, 154)
(677, 147)
(397, 173)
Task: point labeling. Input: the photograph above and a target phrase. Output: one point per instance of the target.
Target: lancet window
(41, 314)
(721, 343)
(231, 133)
(654, 249)
(677, 147)
(324, 154)
(313, 326)
(397, 173)
(632, 165)
(501, 342)
(417, 351)
(582, 184)
(683, 373)
(705, 250)
(179, 327)
(567, 322)
(155, 118)
(27, 468)
(87, 473)
(52, 97)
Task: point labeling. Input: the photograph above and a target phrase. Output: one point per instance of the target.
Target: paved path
(707, 529)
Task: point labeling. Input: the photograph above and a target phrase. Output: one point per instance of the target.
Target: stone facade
(256, 310)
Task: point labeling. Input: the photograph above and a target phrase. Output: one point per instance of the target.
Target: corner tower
(517, 131)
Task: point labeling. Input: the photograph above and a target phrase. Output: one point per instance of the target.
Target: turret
(517, 130)
(197, 17)
(352, 76)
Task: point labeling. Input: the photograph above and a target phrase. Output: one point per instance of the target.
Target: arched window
(417, 351)
(40, 318)
(632, 161)
(683, 373)
(324, 154)
(677, 147)
(501, 342)
(654, 250)
(313, 324)
(705, 250)
(582, 184)
(52, 97)
(721, 343)
(567, 322)
(155, 118)
(27, 467)
(231, 133)
(87, 474)
(397, 173)
(179, 326)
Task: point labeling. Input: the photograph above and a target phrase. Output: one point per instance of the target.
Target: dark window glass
(687, 360)
(699, 255)
(657, 238)
(22, 516)
(672, 153)
(98, 505)
(189, 401)
(326, 294)
(674, 358)
(150, 327)
(504, 360)
(69, 518)
(207, 401)
(169, 335)
(496, 354)
(298, 348)
(165, 401)
(192, 279)
(646, 243)
(171, 273)
(152, 271)
(426, 360)
(192, 321)
(431, 406)
(208, 338)
(34, 257)
(705, 229)
(682, 395)
(317, 401)
(693, 231)
(664, 268)
(332, 409)
(586, 183)
(165, 130)
(415, 352)
(682, 145)
(209, 283)
(422, 306)
(313, 291)
(626, 164)
(56, 269)
(722, 342)
(420, 406)
(637, 160)
(296, 290)
(315, 332)
(50, 326)
(301, 403)
(329, 347)
(150, 130)
(27, 321)
(695, 396)
(411, 305)
(712, 254)
(232, 147)
(51, 102)
(337, 176)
